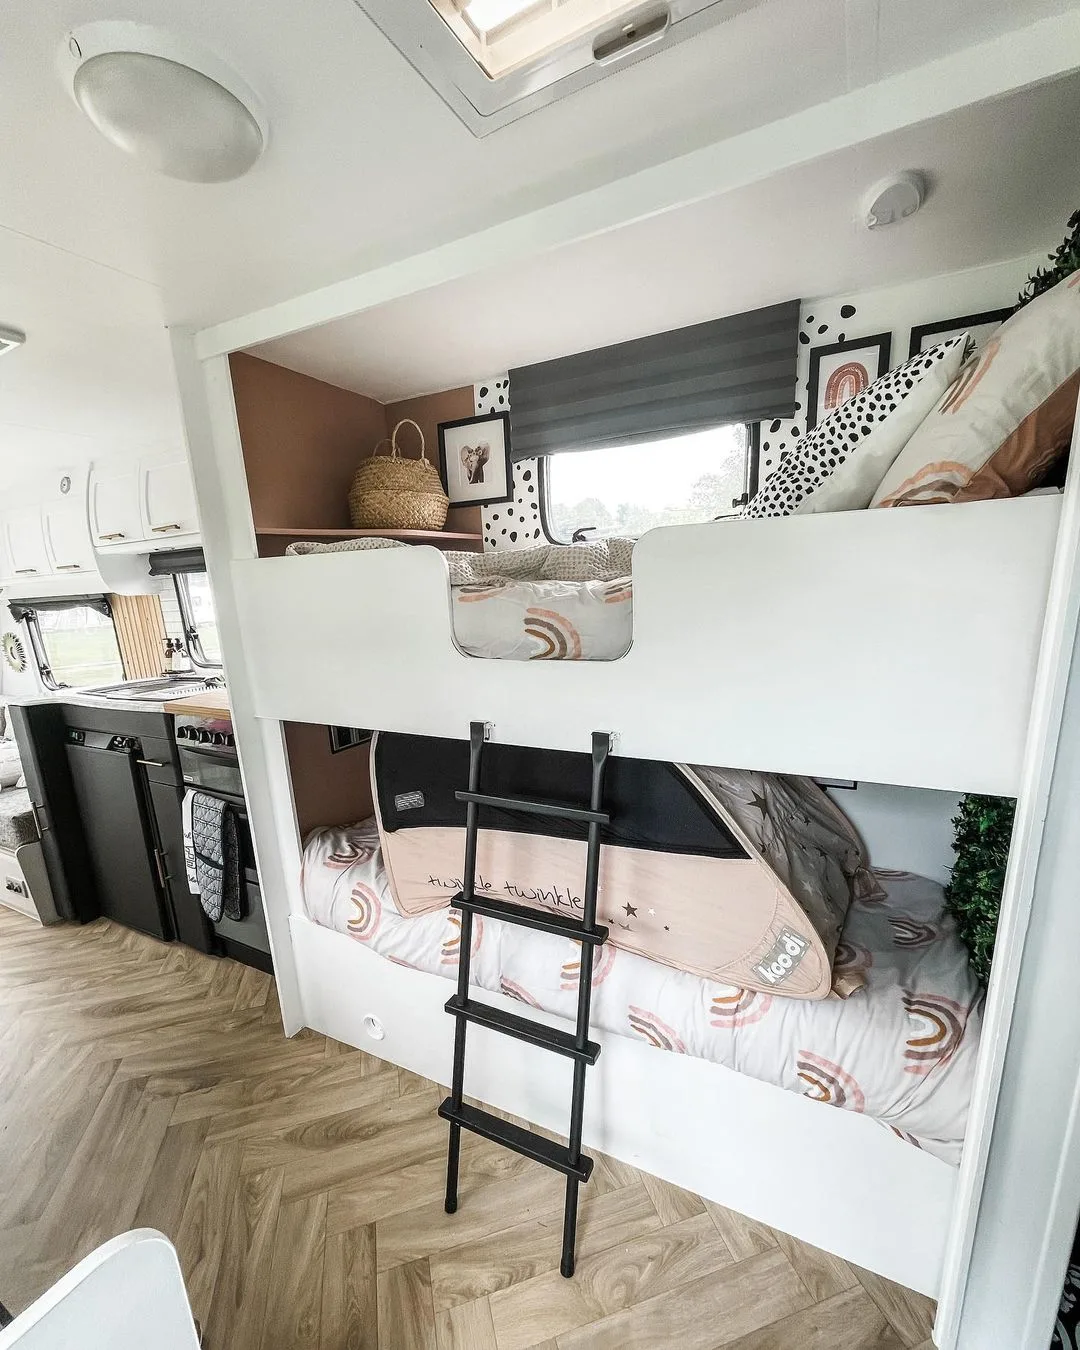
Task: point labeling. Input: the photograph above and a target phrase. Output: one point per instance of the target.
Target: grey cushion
(17, 824)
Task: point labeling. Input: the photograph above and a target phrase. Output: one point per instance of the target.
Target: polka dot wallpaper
(514, 524)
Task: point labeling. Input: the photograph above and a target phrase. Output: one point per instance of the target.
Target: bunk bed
(925, 648)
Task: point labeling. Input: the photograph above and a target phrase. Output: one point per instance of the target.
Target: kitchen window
(73, 641)
(199, 617)
(626, 490)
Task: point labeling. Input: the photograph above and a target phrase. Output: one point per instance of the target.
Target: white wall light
(180, 111)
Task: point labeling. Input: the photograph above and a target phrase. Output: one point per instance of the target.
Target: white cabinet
(67, 538)
(168, 500)
(115, 517)
(137, 507)
(26, 556)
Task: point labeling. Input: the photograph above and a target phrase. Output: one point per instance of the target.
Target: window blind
(737, 369)
(168, 564)
(20, 609)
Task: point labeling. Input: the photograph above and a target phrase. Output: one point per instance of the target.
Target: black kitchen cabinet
(114, 809)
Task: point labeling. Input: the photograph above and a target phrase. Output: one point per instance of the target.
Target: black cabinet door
(118, 835)
(192, 925)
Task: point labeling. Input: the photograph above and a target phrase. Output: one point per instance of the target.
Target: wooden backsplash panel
(140, 634)
(302, 439)
(328, 789)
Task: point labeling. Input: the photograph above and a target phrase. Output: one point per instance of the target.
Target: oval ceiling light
(178, 110)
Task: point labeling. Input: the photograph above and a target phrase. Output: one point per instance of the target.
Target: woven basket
(390, 492)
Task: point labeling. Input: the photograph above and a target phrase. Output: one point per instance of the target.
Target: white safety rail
(891, 646)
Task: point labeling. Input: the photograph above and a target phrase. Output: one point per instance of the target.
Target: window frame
(750, 481)
(192, 641)
(28, 617)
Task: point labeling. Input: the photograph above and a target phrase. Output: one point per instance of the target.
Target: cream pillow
(1006, 418)
(838, 465)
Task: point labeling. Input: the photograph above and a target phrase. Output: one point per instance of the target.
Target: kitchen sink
(156, 691)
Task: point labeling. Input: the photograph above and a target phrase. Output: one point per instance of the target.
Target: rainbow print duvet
(902, 1050)
(515, 620)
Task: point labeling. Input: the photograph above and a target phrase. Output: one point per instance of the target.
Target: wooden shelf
(415, 536)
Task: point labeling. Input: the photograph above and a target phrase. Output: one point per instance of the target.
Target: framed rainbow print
(840, 370)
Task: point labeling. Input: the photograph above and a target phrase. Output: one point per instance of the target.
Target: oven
(206, 749)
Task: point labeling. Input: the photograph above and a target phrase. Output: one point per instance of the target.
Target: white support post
(217, 463)
(1019, 1186)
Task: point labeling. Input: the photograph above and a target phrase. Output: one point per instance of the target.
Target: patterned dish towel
(212, 855)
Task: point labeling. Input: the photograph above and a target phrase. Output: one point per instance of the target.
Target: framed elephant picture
(474, 460)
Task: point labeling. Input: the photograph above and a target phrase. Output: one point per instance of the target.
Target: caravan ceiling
(1002, 184)
(366, 164)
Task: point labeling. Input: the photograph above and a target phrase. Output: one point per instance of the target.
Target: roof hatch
(493, 61)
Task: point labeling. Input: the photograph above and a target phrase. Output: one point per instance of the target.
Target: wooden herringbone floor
(146, 1085)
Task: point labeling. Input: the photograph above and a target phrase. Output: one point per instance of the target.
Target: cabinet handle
(69, 567)
(161, 529)
(116, 534)
(162, 870)
(26, 571)
(152, 763)
(34, 809)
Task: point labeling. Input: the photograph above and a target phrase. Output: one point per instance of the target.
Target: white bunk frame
(990, 1240)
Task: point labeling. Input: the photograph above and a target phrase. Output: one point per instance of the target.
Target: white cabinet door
(168, 500)
(26, 544)
(67, 537)
(115, 517)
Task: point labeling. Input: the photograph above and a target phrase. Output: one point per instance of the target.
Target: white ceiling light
(10, 338)
(178, 110)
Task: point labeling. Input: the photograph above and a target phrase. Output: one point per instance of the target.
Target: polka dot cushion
(839, 465)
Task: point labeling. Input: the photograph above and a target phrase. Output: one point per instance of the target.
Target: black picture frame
(347, 738)
(881, 341)
(503, 485)
(943, 328)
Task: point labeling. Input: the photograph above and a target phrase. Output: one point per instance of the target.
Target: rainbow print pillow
(1006, 418)
(838, 465)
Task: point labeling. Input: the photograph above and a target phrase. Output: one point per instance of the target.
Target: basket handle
(395, 450)
(379, 445)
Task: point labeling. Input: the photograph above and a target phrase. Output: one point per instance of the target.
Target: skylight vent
(504, 35)
(493, 61)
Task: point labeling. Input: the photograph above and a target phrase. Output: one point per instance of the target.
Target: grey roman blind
(737, 369)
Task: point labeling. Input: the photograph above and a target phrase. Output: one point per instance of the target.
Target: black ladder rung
(534, 807)
(525, 1142)
(523, 1029)
(542, 919)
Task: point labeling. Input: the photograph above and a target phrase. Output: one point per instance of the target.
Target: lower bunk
(872, 1181)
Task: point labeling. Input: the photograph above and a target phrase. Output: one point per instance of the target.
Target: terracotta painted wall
(328, 789)
(302, 441)
(429, 411)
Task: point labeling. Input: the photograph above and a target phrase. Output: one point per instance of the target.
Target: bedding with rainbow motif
(551, 602)
(902, 1050)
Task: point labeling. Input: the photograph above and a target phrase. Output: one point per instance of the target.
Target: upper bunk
(898, 646)
(890, 646)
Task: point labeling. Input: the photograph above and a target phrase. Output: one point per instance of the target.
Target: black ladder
(568, 1158)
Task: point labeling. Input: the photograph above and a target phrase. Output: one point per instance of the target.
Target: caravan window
(74, 644)
(196, 603)
(626, 490)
